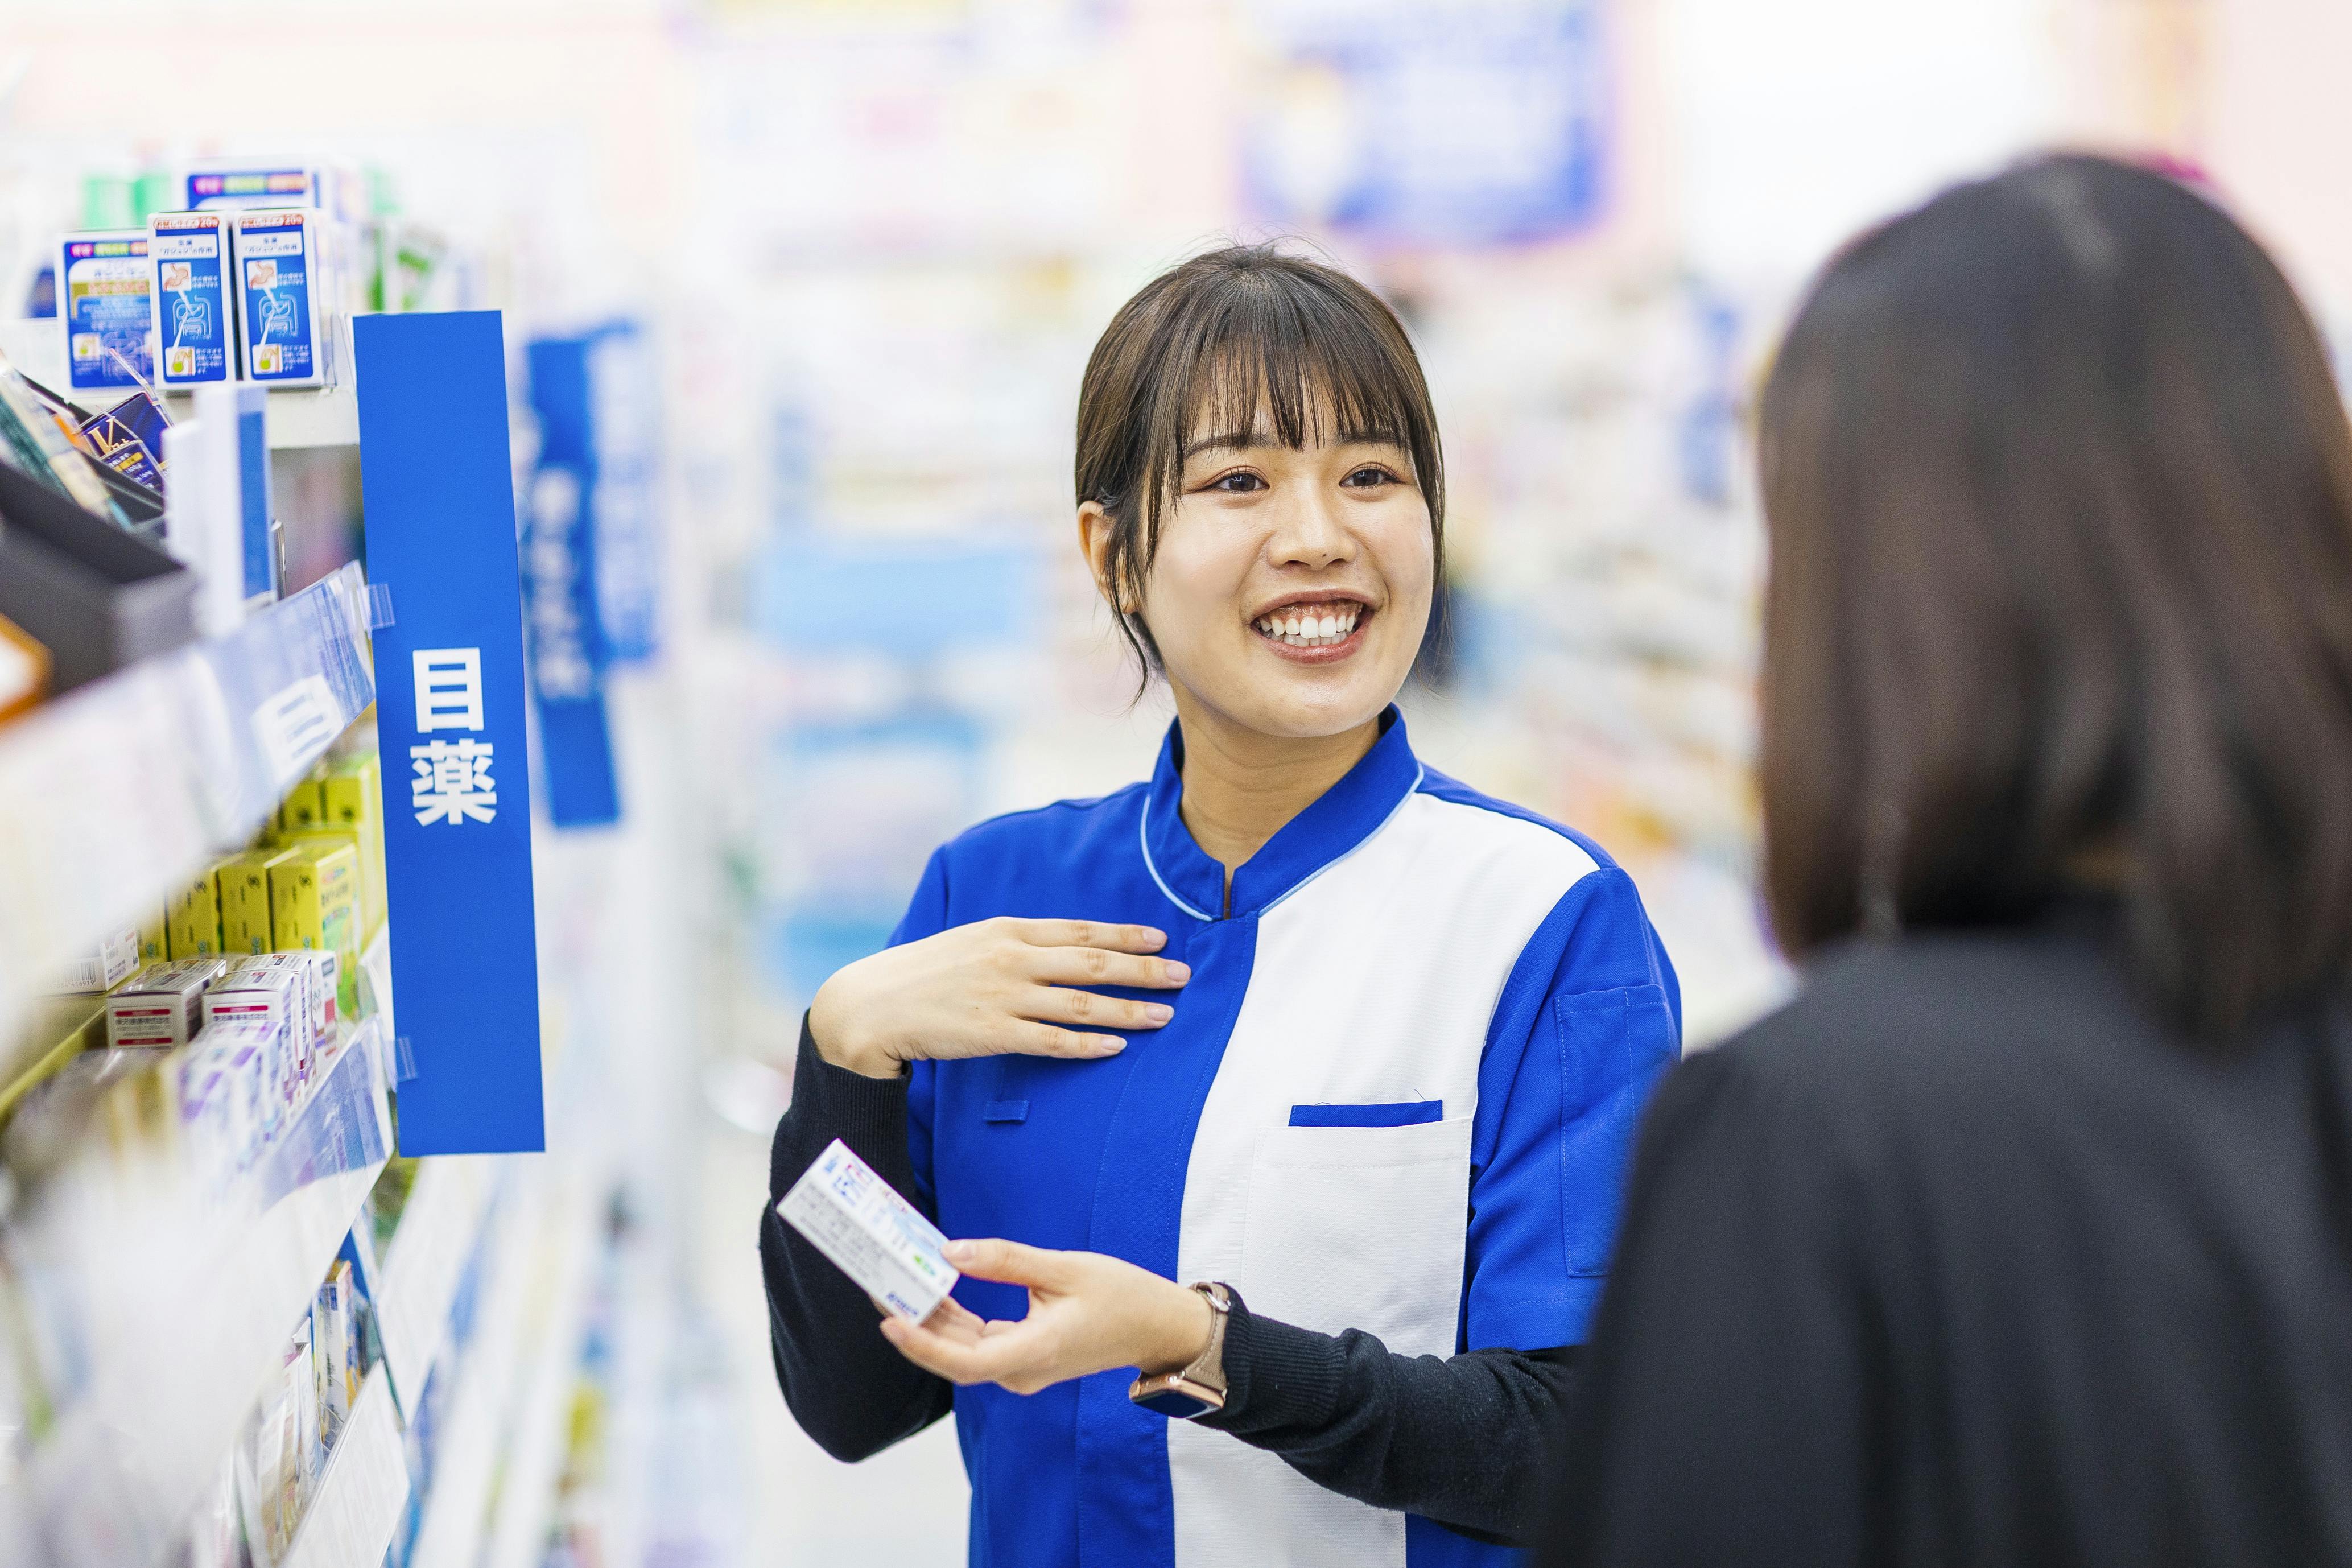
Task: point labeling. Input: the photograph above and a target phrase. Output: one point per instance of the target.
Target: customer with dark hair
(1347, 1203)
(2024, 1235)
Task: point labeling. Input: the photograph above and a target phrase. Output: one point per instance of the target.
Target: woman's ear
(1094, 528)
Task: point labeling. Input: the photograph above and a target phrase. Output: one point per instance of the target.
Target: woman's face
(1291, 587)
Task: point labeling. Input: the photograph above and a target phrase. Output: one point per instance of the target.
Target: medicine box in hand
(870, 1233)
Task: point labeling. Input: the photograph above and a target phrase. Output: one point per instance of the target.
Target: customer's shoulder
(1938, 1020)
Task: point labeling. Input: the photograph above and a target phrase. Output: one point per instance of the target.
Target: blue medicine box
(194, 293)
(105, 307)
(282, 293)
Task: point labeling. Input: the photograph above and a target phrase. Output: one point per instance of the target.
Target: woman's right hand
(997, 987)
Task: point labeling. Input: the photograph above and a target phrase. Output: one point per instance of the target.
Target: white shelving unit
(542, 1243)
(182, 1361)
(325, 417)
(351, 1519)
(112, 793)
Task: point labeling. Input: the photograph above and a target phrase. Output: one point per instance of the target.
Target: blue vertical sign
(438, 489)
(257, 507)
(561, 558)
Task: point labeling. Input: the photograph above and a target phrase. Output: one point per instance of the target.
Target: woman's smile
(1314, 628)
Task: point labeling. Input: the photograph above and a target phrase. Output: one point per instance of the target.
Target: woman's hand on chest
(997, 987)
(1088, 1313)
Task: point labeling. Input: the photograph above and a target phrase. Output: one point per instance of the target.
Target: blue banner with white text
(568, 649)
(437, 486)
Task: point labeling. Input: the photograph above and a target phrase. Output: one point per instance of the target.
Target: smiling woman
(1378, 1121)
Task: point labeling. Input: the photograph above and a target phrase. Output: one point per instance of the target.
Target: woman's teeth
(1318, 627)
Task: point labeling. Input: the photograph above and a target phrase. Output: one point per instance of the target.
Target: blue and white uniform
(1397, 1096)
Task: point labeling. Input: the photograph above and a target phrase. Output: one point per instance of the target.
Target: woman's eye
(1367, 477)
(1239, 481)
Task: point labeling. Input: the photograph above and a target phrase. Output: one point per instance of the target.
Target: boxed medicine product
(116, 959)
(870, 1233)
(304, 808)
(195, 297)
(229, 1088)
(245, 900)
(314, 901)
(106, 309)
(259, 990)
(193, 927)
(331, 1344)
(283, 312)
(227, 184)
(154, 940)
(162, 1005)
(352, 793)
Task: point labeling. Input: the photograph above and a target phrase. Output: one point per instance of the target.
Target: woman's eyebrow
(1252, 440)
(1234, 440)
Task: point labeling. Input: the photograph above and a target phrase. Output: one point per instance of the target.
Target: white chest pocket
(1360, 1228)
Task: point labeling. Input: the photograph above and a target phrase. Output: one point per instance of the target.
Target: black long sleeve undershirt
(1464, 1441)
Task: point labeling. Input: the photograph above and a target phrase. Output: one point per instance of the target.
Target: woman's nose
(1310, 535)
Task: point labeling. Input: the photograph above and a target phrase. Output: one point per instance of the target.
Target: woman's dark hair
(2059, 496)
(1201, 350)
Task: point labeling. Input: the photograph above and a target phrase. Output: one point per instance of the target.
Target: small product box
(195, 297)
(230, 1087)
(304, 809)
(106, 309)
(193, 926)
(162, 1005)
(245, 900)
(257, 989)
(230, 182)
(154, 937)
(330, 1341)
(870, 1233)
(282, 314)
(116, 959)
(314, 901)
(353, 796)
(314, 1001)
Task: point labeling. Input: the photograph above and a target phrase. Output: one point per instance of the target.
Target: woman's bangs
(1298, 380)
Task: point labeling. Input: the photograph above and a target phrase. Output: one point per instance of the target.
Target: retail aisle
(905, 1508)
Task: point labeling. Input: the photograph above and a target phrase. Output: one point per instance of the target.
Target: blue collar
(1342, 817)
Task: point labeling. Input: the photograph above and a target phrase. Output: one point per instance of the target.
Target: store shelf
(113, 792)
(189, 1308)
(423, 1266)
(351, 1519)
(296, 417)
(531, 1320)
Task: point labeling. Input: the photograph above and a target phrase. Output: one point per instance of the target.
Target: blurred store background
(825, 273)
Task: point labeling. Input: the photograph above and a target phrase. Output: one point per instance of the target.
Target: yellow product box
(245, 892)
(193, 927)
(156, 937)
(365, 911)
(353, 792)
(303, 808)
(314, 901)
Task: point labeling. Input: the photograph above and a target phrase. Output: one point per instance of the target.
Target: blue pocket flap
(1005, 1110)
(1404, 1113)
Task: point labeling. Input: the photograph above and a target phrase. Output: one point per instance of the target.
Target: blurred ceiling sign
(1430, 122)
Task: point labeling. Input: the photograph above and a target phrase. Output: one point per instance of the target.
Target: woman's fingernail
(1109, 1044)
(1178, 972)
(1157, 1011)
(957, 1251)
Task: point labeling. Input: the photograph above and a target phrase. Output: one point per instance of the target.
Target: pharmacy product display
(235, 1328)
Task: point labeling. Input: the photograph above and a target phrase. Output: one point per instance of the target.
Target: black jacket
(1963, 1259)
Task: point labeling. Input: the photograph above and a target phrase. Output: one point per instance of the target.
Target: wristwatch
(1201, 1387)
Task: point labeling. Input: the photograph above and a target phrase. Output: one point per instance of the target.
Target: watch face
(1175, 1403)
